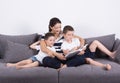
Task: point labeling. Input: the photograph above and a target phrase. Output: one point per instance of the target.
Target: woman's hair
(67, 28)
(47, 35)
(53, 22)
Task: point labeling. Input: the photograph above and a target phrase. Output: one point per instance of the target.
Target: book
(74, 53)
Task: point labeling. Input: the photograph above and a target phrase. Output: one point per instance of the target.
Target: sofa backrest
(16, 48)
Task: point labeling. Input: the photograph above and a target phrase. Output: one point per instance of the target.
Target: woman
(55, 28)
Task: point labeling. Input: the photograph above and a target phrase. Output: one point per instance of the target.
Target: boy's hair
(47, 35)
(67, 28)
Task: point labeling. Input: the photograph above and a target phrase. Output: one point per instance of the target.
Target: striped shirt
(58, 43)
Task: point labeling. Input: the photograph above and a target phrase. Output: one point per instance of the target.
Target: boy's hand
(75, 48)
(82, 52)
(84, 49)
(61, 57)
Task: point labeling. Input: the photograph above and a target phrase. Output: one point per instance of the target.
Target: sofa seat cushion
(90, 74)
(14, 52)
(28, 75)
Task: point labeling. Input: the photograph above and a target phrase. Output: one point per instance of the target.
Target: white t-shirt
(75, 43)
(41, 55)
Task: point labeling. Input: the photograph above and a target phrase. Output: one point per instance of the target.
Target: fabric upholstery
(29, 75)
(116, 44)
(90, 74)
(22, 39)
(14, 52)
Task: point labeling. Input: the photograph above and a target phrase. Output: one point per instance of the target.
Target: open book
(74, 53)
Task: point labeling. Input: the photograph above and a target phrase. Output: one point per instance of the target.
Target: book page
(73, 53)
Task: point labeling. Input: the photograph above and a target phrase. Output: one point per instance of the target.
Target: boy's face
(50, 41)
(69, 35)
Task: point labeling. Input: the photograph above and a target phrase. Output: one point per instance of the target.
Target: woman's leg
(21, 63)
(29, 65)
(96, 44)
(93, 62)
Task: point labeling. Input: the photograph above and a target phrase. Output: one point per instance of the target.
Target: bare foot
(113, 55)
(64, 66)
(107, 67)
(10, 65)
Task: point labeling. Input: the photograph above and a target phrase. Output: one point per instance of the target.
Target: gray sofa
(16, 48)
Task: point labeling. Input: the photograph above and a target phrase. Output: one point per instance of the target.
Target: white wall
(88, 17)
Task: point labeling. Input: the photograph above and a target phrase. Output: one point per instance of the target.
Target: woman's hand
(51, 54)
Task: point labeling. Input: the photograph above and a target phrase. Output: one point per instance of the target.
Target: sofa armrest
(116, 48)
(116, 44)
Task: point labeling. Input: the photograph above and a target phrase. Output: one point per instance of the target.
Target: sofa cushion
(90, 74)
(106, 40)
(14, 52)
(27, 75)
(23, 39)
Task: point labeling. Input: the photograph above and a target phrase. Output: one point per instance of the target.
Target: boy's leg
(23, 62)
(93, 62)
(52, 62)
(29, 65)
(96, 44)
(75, 61)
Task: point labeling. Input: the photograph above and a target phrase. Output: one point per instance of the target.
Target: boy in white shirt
(37, 60)
(86, 56)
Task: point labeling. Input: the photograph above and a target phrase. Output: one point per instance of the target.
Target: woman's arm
(82, 41)
(45, 49)
(49, 52)
(33, 46)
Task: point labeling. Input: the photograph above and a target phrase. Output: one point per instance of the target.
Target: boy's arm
(33, 46)
(59, 56)
(65, 52)
(82, 43)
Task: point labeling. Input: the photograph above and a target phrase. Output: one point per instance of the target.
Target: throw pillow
(14, 52)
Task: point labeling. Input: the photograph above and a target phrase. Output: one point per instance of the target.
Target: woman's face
(56, 29)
